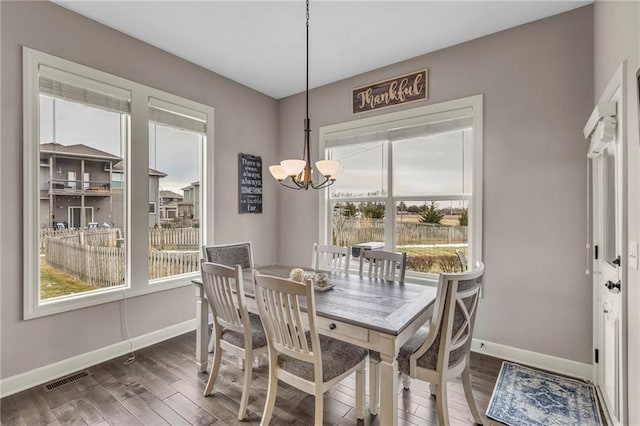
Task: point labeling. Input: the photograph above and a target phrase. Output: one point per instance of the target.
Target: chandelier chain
(303, 178)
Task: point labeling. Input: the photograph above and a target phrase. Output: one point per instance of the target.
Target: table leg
(374, 385)
(202, 330)
(388, 390)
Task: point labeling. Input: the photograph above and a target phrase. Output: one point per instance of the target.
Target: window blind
(357, 139)
(443, 122)
(67, 86)
(431, 129)
(168, 114)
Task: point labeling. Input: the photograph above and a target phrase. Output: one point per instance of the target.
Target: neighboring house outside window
(99, 193)
(169, 206)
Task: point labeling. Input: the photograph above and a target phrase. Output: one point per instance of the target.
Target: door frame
(70, 208)
(617, 83)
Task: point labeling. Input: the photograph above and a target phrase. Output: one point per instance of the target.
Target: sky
(171, 151)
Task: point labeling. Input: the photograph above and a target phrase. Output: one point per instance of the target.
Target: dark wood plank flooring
(162, 387)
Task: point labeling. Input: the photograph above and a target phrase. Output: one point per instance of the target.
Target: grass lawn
(54, 283)
(432, 251)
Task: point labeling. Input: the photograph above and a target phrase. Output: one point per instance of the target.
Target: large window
(411, 182)
(93, 187)
(174, 242)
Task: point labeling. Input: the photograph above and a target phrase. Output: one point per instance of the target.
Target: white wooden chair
(230, 254)
(441, 352)
(390, 266)
(331, 258)
(233, 325)
(304, 359)
(383, 264)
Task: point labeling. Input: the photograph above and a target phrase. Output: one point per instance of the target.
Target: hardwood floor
(162, 387)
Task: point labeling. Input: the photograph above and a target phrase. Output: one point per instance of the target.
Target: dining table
(376, 314)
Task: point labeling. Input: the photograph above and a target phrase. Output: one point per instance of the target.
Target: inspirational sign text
(399, 90)
(249, 183)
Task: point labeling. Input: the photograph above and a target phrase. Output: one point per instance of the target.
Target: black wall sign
(249, 183)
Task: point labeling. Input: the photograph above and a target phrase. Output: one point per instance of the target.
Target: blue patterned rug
(527, 397)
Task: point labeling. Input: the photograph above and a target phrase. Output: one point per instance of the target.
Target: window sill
(80, 301)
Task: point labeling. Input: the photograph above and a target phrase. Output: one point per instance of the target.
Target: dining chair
(389, 266)
(331, 258)
(233, 325)
(386, 265)
(463, 260)
(298, 355)
(230, 254)
(441, 352)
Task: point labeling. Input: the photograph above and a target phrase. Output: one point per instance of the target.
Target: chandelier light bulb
(328, 167)
(292, 167)
(278, 172)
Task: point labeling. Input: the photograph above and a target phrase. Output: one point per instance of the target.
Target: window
(117, 180)
(411, 182)
(83, 228)
(175, 146)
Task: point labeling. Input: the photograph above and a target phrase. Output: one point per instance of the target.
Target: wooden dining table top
(385, 306)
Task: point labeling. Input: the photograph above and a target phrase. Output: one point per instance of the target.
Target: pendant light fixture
(300, 172)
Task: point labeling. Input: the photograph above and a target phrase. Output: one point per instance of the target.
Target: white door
(608, 286)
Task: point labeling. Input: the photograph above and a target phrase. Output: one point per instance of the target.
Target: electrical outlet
(633, 254)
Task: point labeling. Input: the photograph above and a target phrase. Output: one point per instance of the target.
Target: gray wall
(616, 38)
(245, 121)
(537, 83)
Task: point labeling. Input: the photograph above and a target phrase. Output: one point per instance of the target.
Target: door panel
(610, 360)
(607, 274)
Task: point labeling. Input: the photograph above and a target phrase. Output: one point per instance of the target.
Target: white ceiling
(261, 44)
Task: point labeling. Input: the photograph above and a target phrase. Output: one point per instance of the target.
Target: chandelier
(300, 172)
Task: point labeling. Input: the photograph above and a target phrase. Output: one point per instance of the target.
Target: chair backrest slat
(280, 310)
(224, 289)
(230, 254)
(331, 258)
(384, 265)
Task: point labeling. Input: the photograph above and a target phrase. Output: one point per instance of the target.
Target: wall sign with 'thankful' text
(398, 90)
(249, 183)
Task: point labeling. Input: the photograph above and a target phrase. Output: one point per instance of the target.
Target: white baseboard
(41, 375)
(534, 359)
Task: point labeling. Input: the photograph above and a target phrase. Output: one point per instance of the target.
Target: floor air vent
(72, 378)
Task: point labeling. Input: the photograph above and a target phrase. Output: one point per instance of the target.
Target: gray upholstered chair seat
(258, 337)
(337, 357)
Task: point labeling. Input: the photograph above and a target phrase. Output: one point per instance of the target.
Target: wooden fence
(93, 237)
(167, 263)
(104, 266)
(354, 231)
(99, 266)
(159, 239)
(174, 239)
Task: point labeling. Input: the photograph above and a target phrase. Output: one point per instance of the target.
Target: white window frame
(415, 116)
(136, 208)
